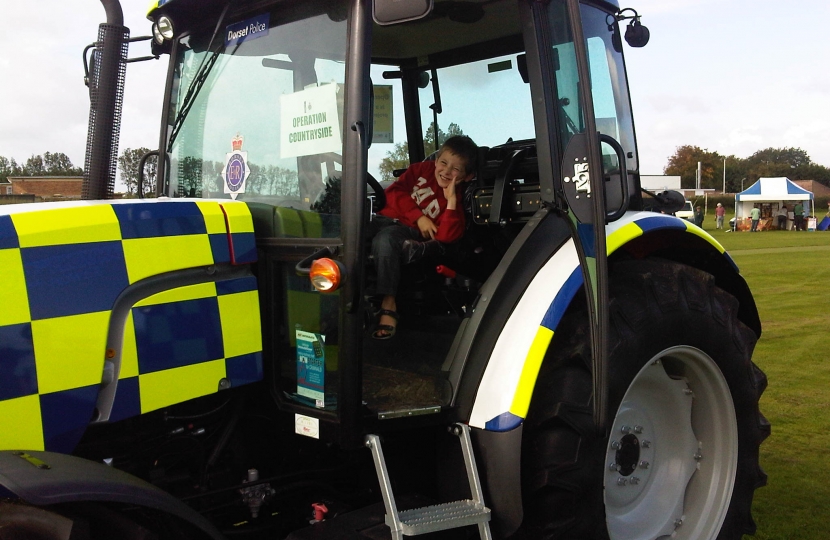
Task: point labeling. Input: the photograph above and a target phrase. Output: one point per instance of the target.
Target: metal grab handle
(618, 149)
(141, 162)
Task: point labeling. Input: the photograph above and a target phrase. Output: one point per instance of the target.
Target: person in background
(755, 216)
(798, 216)
(699, 216)
(782, 218)
(720, 212)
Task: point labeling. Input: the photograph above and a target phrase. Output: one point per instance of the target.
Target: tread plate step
(443, 516)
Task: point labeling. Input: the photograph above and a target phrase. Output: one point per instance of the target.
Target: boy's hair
(463, 146)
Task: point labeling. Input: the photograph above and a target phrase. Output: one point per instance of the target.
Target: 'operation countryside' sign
(309, 123)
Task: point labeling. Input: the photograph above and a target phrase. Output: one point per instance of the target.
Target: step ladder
(439, 517)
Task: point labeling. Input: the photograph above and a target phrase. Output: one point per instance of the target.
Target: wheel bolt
(698, 456)
(678, 522)
(626, 429)
(644, 464)
(615, 445)
(638, 429)
(621, 481)
(646, 443)
(688, 391)
(613, 467)
(635, 480)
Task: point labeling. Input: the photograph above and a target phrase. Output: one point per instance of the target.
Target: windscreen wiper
(198, 81)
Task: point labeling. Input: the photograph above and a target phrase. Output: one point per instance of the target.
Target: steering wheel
(377, 189)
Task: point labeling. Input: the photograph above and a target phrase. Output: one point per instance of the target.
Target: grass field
(789, 274)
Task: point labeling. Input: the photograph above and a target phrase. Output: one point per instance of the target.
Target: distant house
(817, 188)
(44, 188)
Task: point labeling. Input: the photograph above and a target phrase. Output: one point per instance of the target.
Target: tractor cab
(303, 110)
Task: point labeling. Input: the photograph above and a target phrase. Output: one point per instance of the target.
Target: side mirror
(386, 12)
(636, 34)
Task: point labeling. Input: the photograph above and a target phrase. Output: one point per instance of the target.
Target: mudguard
(503, 395)
(49, 478)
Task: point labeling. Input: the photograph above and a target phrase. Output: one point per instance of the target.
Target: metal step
(439, 517)
(442, 516)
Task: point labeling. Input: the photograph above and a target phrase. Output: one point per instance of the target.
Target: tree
(8, 167)
(429, 136)
(128, 167)
(398, 157)
(793, 163)
(34, 166)
(684, 164)
(59, 164)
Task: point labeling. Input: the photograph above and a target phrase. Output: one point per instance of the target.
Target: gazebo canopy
(774, 189)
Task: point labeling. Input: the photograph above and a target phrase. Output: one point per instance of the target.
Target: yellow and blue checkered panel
(179, 344)
(63, 267)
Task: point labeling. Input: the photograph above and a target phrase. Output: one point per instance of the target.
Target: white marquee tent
(772, 190)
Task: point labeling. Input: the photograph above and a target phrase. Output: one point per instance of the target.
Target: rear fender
(48, 479)
(503, 397)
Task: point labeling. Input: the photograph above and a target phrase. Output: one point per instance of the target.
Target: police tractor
(198, 362)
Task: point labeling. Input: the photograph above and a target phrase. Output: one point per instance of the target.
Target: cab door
(591, 151)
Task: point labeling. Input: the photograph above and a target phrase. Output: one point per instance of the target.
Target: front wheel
(681, 457)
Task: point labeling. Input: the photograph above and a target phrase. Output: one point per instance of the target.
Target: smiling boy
(422, 212)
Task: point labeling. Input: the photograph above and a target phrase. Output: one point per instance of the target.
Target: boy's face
(449, 167)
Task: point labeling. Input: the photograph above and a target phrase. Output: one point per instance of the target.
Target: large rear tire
(681, 460)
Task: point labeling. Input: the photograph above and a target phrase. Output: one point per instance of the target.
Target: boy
(423, 211)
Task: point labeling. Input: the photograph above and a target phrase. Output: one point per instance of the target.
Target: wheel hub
(657, 478)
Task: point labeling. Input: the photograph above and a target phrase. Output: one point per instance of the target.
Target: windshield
(256, 111)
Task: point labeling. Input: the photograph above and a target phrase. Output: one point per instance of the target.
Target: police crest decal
(236, 169)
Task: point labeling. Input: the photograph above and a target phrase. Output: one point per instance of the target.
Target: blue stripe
(150, 220)
(231, 286)
(503, 422)
(244, 369)
(563, 299)
(17, 361)
(65, 416)
(658, 221)
(219, 248)
(8, 235)
(73, 279)
(586, 237)
(177, 334)
(244, 248)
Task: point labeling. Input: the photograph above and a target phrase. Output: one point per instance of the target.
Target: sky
(729, 76)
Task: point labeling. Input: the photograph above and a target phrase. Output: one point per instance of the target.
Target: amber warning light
(325, 275)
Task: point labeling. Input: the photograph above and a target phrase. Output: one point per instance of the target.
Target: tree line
(48, 164)
(793, 163)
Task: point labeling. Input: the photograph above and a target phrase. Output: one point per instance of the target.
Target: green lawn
(789, 274)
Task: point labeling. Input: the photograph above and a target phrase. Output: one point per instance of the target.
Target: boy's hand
(427, 227)
(449, 194)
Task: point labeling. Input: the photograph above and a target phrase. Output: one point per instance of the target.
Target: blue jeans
(387, 248)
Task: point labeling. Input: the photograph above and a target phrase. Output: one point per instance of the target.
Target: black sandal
(387, 328)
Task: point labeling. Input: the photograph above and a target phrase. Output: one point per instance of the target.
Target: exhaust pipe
(106, 94)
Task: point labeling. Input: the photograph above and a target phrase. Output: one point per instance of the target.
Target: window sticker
(248, 29)
(383, 121)
(236, 169)
(309, 123)
(311, 367)
(307, 426)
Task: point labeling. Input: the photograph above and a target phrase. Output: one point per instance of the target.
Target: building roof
(818, 189)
